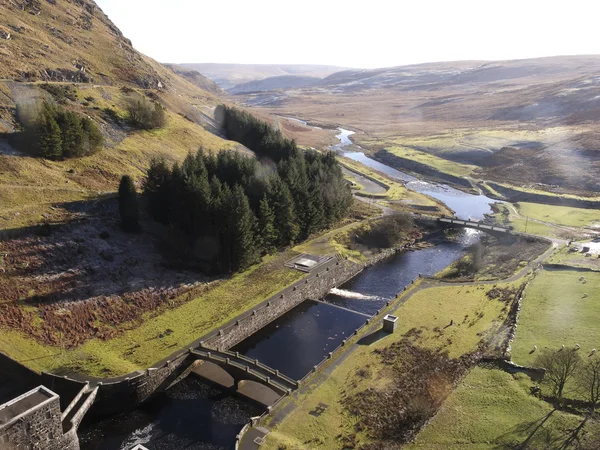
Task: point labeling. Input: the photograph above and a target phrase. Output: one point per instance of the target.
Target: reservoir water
(196, 416)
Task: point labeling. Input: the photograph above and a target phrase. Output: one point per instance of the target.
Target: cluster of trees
(255, 134)
(566, 366)
(56, 133)
(233, 208)
(144, 114)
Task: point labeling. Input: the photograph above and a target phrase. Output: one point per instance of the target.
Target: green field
(492, 409)
(475, 317)
(561, 215)
(554, 313)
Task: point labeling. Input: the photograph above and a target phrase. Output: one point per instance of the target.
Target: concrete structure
(390, 323)
(307, 263)
(34, 420)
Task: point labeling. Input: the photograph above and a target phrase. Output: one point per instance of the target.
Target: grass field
(430, 311)
(561, 215)
(554, 313)
(507, 217)
(492, 409)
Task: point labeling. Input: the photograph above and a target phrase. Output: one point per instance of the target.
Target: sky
(351, 33)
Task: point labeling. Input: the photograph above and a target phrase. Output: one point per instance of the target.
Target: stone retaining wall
(316, 285)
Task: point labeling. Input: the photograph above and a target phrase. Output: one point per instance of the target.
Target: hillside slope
(74, 46)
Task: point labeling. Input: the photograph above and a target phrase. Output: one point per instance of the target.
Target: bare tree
(588, 379)
(560, 367)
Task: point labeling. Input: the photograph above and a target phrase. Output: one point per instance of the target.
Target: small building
(34, 420)
(390, 323)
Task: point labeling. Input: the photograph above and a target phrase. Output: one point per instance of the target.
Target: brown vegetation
(422, 379)
(65, 284)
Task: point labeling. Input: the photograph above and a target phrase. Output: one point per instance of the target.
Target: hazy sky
(365, 33)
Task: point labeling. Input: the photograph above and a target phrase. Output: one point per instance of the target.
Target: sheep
(577, 346)
(593, 351)
(534, 348)
(585, 295)
(563, 347)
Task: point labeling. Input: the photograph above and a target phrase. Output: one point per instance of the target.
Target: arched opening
(258, 392)
(212, 372)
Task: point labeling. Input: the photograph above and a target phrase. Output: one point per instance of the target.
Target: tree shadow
(540, 437)
(373, 337)
(529, 428)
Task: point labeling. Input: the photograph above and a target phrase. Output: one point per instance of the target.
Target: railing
(247, 364)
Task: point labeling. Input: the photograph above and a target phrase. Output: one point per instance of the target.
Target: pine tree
(157, 188)
(241, 226)
(50, 141)
(93, 139)
(266, 226)
(286, 222)
(72, 134)
(128, 205)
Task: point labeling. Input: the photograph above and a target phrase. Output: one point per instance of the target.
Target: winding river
(194, 415)
(466, 206)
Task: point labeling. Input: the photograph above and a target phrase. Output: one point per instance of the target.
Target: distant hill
(275, 83)
(229, 75)
(196, 78)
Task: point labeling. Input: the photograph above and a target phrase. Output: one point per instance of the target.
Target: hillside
(276, 83)
(76, 47)
(546, 109)
(229, 75)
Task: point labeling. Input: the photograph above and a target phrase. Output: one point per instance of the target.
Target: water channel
(196, 416)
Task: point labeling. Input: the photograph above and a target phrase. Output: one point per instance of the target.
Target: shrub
(145, 115)
(61, 93)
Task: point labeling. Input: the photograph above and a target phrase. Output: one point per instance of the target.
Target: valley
(292, 256)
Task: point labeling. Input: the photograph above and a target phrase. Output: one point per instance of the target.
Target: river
(466, 206)
(194, 415)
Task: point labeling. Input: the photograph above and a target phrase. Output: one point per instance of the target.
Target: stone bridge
(473, 224)
(248, 377)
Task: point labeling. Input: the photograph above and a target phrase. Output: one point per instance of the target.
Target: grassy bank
(492, 409)
(426, 318)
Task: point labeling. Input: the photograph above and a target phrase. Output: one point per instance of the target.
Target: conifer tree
(266, 226)
(128, 205)
(241, 226)
(286, 222)
(157, 188)
(50, 141)
(72, 134)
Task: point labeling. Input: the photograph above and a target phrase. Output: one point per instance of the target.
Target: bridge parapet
(245, 367)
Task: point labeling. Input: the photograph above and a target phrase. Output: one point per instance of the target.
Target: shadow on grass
(539, 436)
(372, 338)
